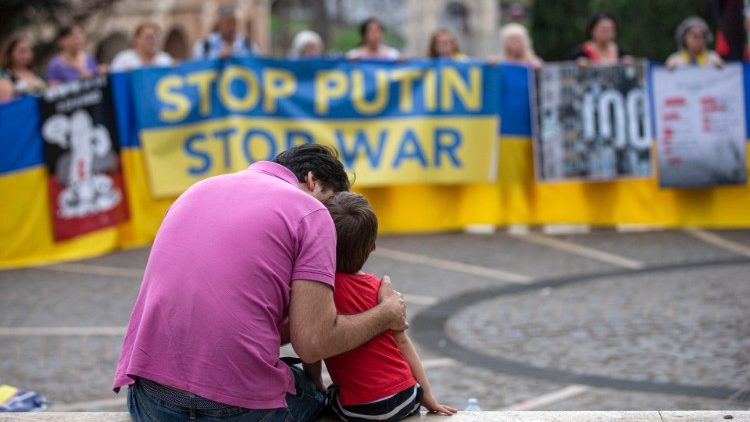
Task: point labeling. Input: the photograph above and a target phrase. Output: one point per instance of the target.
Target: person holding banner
(72, 62)
(224, 41)
(145, 51)
(241, 264)
(306, 44)
(692, 37)
(371, 44)
(444, 43)
(516, 46)
(600, 46)
(16, 62)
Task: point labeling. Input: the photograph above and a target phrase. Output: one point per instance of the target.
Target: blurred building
(183, 23)
(475, 23)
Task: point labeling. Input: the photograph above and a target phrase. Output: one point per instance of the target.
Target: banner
(700, 126)
(82, 155)
(393, 123)
(592, 123)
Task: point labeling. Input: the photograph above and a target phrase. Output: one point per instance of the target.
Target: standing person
(71, 63)
(443, 43)
(692, 37)
(371, 45)
(384, 379)
(516, 46)
(145, 51)
(16, 63)
(241, 264)
(600, 46)
(306, 44)
(224, 41)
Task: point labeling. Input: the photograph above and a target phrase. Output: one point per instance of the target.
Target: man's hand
(393, 303)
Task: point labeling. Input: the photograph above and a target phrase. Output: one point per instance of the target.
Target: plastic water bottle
(472, 405)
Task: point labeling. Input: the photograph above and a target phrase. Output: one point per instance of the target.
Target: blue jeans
(150, 402)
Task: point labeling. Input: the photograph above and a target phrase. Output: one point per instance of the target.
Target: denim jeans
(148, 402)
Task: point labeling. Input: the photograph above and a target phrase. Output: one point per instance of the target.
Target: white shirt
(129, 60)
(210, 47)
(384, 52)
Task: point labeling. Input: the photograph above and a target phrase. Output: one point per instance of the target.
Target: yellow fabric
(444, 150)
(26, 225)
(6, 392)
(26, 233)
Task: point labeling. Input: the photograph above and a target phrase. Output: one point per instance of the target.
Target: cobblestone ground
(61, 326)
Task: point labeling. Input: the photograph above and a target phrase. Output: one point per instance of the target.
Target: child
(383, 379)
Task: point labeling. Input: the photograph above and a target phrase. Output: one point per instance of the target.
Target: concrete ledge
(516, 416)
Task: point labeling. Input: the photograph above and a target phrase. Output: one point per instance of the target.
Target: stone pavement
(595, 321)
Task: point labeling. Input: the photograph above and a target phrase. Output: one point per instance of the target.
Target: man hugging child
(383, 379)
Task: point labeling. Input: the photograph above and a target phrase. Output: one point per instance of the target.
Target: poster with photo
(82, 155)
(592, 123)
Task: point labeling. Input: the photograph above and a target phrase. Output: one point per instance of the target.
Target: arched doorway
(110, 45)
(176, 44)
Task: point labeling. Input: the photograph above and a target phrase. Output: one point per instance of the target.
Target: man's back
(217, 286)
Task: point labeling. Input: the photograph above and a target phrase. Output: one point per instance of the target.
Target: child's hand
(429, 401)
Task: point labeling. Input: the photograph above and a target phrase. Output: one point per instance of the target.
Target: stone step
(510, 416)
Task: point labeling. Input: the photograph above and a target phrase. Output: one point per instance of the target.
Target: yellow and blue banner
(515, 197)
(405, 123)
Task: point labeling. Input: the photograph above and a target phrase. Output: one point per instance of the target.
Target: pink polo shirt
(217, 285)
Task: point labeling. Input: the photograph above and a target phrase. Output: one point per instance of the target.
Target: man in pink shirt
(243, 263)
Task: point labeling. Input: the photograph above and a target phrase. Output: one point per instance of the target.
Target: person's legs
(151, 402)
(308, 403)
(389, 409)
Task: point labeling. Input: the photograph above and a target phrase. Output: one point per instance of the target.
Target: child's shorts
(389, 409)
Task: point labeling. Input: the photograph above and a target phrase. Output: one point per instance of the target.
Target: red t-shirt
(377, 369)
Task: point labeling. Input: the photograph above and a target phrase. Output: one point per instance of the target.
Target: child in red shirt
(383, 379)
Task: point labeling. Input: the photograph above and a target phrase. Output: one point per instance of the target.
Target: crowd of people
(17, 77)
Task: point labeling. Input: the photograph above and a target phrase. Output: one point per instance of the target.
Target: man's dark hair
(321, 160)
(356, 230)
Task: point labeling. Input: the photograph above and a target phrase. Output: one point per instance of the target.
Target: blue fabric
(20, 135)
(24, 401)
(166, 87)
(122, 95)
(515, 109)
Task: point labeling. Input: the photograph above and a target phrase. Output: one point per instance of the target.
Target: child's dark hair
(321, 160)
(356, 230)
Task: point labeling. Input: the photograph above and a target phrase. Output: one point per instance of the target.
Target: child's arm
(428, 400)
(314, 372)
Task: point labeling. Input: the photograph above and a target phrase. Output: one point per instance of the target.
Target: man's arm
(318, 332)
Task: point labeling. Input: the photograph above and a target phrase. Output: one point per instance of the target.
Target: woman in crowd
(71, 62)
(306, 44)
(443, 43)
(692, 37)
(516, 46)
(145, 51)
(16, 63)
(600, 47)
(371, 43)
